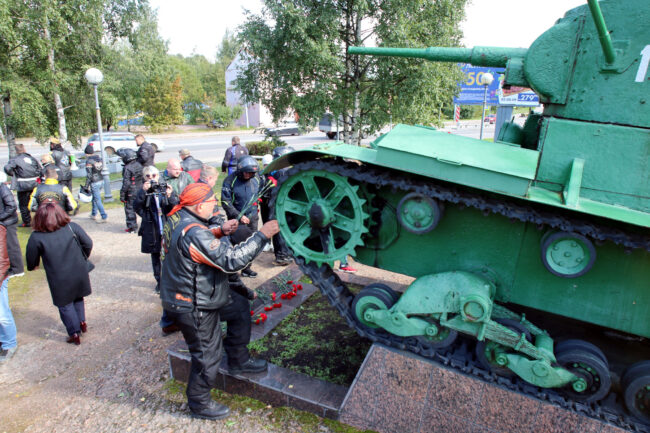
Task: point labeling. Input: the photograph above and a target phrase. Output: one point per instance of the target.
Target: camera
(157, 188)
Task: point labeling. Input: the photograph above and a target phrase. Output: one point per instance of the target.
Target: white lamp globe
(486, 79)
(94, 76)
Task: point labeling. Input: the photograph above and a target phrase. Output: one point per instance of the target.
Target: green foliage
(296, 59)
(224, 115)
(265, 146)
(163, 98)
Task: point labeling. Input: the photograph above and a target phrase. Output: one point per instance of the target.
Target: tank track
(458, 356)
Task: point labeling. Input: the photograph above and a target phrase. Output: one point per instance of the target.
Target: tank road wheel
(321, 217)
(636, 390)
(486, 351)
(445, 337)
(583, 345)
(370, 298)
(567, 255)
(583, 360)
(418, 214)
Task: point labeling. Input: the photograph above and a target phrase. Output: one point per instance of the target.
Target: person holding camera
(152, 203)
(131, 184)
(194, 286)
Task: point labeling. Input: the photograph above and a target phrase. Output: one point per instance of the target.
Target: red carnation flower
(252, 313)
(257, 321)
(299, 286)
(277, 305)
(273, 296)
(268, 308)
(290, 282)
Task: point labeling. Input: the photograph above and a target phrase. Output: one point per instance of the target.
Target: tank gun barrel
(478, 56)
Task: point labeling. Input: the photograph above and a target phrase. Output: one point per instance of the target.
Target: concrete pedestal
(397, 391)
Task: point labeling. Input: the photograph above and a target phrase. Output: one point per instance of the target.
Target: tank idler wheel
(486, 350)
(636, 390)
(582, 359)
(370, 298)
(567, 255)
(386, 289)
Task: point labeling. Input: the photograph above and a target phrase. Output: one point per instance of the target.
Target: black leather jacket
(146, 154)
(196, 263)
(25, 169)
(8, 215)
(93, 170)
(61, 159)
(131, 181)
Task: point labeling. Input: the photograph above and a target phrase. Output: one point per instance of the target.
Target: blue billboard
(471, 91)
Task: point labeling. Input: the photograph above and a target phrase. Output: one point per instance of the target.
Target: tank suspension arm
(478, 56)
(603, 33)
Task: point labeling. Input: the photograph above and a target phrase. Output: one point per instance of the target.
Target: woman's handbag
(89, 264)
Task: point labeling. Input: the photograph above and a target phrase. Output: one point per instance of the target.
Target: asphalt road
(211, 147)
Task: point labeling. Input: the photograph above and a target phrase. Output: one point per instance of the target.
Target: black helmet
(247, 164)
(127, 155)
(282, 150)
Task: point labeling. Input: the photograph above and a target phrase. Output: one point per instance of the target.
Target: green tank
(519, 245)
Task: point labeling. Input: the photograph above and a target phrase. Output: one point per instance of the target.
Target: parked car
(491, 118)
(215, 124)
(286, 128)
(118, 140)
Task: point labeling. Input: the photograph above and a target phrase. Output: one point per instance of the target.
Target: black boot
(248, 272)
(251, 366)
(213, 410)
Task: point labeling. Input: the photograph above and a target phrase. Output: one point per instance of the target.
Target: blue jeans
(7, 324)
(96, 188)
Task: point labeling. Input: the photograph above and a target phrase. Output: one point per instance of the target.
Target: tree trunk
(356, 114)
(11, 135)
(63, 132)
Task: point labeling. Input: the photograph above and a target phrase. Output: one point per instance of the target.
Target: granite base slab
(278, 386)
(397, 391)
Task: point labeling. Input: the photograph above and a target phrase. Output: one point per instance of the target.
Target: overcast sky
(198, 25)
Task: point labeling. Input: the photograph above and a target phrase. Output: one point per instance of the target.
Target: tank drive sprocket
(321, 215)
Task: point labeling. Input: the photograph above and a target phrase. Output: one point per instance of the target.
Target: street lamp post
(486, 80)
(94, 76)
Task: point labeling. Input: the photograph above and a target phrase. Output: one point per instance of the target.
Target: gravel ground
(117, 380)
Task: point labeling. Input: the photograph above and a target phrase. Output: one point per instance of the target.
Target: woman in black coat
(152, 204)
(53, 241)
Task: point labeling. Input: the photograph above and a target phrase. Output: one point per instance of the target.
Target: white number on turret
(643, 66)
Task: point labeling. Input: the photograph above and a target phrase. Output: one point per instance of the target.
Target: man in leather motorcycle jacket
(194, 285)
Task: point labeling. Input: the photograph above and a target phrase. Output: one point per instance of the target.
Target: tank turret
(578, 67)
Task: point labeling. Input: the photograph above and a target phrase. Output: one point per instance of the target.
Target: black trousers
(13, 250)
(129, 211)
(238, 318)
(280, 249)
(202, 333)
(23, 201)
(243, 232)
(72, 315)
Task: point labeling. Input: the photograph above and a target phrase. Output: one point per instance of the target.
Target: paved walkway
(117, 379)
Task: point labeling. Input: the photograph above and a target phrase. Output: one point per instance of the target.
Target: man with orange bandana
(194, 285)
